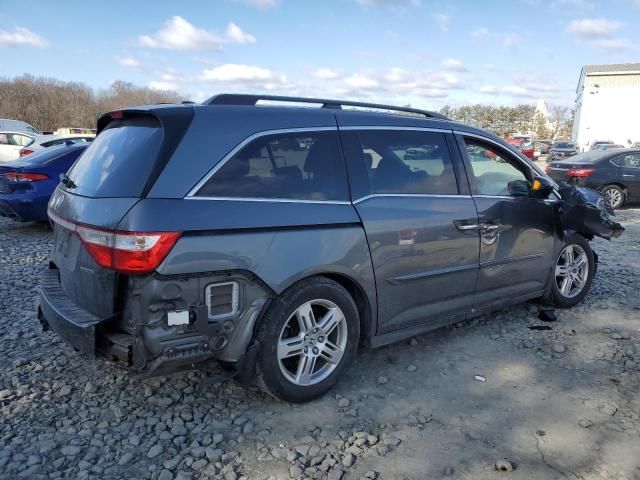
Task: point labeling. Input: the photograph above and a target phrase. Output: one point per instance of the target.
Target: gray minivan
(277, 238)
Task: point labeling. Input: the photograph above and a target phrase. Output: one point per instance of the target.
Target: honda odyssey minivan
(277, 238)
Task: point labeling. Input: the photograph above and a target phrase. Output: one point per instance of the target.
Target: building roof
(612, 69)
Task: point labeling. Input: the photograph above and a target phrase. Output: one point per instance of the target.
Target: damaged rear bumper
(141, 338)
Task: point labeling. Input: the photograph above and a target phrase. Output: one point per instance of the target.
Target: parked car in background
(542, 147)
(11, 142)
(26, 184)
(526, 147)
(615, 173)
(75, 131)
(609, 146)
(596, 144)
(280, 261)
(45, 141)
(561, 150)
(17, 126)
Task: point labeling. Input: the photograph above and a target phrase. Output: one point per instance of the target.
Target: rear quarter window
(120, 159)
(297, 166)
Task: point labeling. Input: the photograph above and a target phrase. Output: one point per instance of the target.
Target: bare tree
(559, 118)
(48, 104)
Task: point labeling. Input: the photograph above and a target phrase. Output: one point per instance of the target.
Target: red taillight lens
(547, 169)
(25, 177)
(25, 151)
(580, 172)
(125, 252)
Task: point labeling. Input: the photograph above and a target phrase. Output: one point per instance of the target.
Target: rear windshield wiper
(66, 181)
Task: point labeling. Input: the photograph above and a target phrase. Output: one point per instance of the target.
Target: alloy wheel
(312, 342)
(614, 197)
(572, 270)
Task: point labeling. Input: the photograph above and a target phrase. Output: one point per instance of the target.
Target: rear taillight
(25, 151)
(125, 252)
(580, 172)
(25, 177)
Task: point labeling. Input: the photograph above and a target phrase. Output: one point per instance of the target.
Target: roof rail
(242, 99)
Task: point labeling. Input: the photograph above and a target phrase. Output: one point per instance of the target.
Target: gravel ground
(557, 403)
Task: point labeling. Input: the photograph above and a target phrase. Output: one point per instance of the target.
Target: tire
(561, 296)
(614, 195)
(285, 332)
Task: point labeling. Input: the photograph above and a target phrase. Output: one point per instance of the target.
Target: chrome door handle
(466, 228)
(628, 175)
(488, 228)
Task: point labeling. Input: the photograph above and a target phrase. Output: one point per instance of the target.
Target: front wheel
(308, 338)
(573, 273)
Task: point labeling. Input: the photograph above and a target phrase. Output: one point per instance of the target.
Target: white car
(8, 125)
(11, 143)
(43, 141)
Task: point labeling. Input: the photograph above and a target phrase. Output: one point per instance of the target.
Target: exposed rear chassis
(140, 338)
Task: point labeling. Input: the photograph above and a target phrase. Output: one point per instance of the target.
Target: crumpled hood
(587, 212)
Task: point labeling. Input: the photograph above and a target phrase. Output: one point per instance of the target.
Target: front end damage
(166, 322)
(586, 212)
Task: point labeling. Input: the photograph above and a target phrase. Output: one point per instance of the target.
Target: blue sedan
(27, 184)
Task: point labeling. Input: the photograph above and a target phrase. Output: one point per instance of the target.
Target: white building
(607, 105)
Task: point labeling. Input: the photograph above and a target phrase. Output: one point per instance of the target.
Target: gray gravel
(561, 403)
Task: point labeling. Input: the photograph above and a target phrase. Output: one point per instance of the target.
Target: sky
(426, 53)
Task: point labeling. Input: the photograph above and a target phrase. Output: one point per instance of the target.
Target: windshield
(119, 161)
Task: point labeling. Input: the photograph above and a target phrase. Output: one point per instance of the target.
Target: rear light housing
(17, 177)
(580, 172)
(125, 252)
(25, 151)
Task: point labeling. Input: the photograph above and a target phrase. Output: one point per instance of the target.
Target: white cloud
(359, 80)
(247, 77)
(516, 91)
(130, 62)
(162, 85)
(179, 34)
(397, 75)
(443, 20)
(237, 35)
(231, 72)
(327, 73)
(454, 65)
(488, 89)
(480, 32)
(261, 4)
(613, 45)
(593, 27)
(21, 36)
(489, 67)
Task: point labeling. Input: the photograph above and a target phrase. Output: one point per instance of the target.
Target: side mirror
(519, 188)
(541, 187)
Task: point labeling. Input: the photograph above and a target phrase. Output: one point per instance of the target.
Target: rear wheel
(308, 338)
(614, 195)
(573, 273)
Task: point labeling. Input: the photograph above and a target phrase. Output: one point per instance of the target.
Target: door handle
(466, 228)
(486, 227)
(628, 175)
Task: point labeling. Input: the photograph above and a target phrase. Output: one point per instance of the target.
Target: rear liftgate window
(300, 166)
(118, 162)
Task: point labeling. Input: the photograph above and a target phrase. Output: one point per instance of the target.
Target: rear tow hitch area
(586, 212)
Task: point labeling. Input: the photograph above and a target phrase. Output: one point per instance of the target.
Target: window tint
(495, 172)
(302, 166)
(631, 160)
(406, 162)
(4, 139)
(119, 161)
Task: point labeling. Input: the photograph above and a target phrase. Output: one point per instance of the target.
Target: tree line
(49, 104)
(506, 121)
